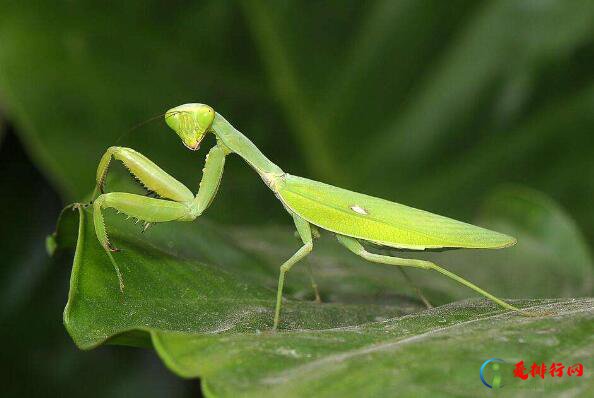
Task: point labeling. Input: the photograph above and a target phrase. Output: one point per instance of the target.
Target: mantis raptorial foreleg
(183, 206)
(148, 174)
(357, 248)
(304, 230)
(211, 178)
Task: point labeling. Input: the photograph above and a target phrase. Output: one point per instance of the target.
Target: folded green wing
(381, 221)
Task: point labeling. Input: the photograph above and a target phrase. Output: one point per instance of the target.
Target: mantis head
(191, 122)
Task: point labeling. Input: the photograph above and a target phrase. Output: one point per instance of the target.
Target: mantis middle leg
(314, 285)
(357, 248)
(304, 230)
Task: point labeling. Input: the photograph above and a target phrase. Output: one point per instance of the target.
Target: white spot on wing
(358, 209)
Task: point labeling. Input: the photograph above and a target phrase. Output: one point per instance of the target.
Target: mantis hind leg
(304, 230)
(147, 209)
(314, 284)
(356, 247)
(151, 176)
(417, 289)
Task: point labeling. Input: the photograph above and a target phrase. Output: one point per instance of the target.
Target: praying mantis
(353, 217)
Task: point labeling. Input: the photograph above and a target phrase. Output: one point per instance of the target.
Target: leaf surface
(213, 322)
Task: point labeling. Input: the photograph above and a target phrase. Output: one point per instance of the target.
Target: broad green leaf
(168, 289)
(213, 322)
(433, 353)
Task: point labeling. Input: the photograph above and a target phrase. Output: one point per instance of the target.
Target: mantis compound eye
(191, 122)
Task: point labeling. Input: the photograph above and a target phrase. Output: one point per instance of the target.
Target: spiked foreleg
(211, 179)
(184, 207)
(148, 174)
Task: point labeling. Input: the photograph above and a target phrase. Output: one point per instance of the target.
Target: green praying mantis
(353, 217)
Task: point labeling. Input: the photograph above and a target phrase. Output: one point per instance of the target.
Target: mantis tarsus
(351, 216)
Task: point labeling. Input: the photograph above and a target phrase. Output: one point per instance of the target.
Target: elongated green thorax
(241, 145)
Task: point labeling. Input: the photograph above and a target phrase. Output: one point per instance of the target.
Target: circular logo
(496, 377)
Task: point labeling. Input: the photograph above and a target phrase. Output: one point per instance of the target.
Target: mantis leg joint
(304, 251)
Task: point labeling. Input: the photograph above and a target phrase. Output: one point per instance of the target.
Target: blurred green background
(430, 103)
